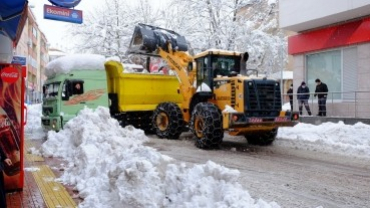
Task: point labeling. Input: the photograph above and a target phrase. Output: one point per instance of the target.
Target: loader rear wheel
(168, 121)
(206, 125)
(262, 138)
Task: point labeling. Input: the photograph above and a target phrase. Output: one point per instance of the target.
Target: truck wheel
(263, 138)
(168, 121)
(206, 125)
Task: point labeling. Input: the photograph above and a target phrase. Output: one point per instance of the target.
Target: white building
(332, 43)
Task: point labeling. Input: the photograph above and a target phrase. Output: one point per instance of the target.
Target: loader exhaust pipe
(146, 39)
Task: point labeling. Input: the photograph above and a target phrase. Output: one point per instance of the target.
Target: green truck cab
(73, 83)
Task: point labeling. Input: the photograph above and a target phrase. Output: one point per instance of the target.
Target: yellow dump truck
(134, 96)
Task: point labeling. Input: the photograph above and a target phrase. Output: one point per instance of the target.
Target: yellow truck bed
(140, 92)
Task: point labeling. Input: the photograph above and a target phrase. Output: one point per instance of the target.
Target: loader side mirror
(245, 57)
(65, 90)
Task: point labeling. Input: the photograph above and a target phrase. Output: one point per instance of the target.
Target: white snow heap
(286, 107)
(229, 109)
(33, 128)
(111, 167)
(65, 64)
(271, 2)
(339, 138)
(204, 88)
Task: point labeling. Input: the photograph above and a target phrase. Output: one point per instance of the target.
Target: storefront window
(327, 66)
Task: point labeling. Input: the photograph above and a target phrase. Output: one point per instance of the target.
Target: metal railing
(351, 104)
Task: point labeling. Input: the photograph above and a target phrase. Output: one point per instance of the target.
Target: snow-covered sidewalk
(338, 138)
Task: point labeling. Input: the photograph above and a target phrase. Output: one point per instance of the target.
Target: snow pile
(338, 138)
(229, 109)
(65, 64)
(271, 2)
(286, 107)
(33, 128)
(204, 88)
(111, 167)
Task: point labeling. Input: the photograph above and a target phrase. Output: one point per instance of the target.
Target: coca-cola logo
(4, 122)
(9, 74)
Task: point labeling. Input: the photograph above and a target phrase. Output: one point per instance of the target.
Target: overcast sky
(55, 31)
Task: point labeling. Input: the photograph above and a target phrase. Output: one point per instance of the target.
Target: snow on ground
(286, 107)
(339, 138)
(32, 169)
(33, 129)
(111, 167)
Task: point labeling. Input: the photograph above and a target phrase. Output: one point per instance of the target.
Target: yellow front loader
(215, 96)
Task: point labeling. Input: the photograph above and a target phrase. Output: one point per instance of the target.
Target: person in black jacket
(290, 94)
(7, 161)
(322, 93)
(303, 94)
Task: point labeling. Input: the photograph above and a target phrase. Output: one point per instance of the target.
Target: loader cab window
(225, 65)
(204, 72)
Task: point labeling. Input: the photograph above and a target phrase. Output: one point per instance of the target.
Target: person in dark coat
(322, 93)
(303, 94)
(7, 161)
(290, 94)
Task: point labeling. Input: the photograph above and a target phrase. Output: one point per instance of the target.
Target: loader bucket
(146, 39)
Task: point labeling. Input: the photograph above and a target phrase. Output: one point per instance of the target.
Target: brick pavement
(31, 196)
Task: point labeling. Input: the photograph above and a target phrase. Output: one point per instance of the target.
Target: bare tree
(108, 29)
(243, 25)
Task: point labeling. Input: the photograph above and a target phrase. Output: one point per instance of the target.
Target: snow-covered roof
(67, 63)
(286, 75)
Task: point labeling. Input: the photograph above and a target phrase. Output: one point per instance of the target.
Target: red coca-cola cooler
(12, 122)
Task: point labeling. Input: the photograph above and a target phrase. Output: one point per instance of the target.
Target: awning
(13, 15)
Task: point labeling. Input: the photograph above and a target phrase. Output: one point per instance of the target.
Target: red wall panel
(330, 37)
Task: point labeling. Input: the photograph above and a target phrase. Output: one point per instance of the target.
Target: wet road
(290, 177)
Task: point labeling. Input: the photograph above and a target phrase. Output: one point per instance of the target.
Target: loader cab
(217, 64)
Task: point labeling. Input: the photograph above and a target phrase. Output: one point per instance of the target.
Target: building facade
(33, 45)
(332, 43)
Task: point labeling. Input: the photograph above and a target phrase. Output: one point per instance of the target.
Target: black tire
(206, 125)
(168, 121)
(262, 138)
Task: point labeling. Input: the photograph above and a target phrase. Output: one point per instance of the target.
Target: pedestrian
(290, 94)
(303, 94)
(78, 89)
(322, 93)
(8, 162)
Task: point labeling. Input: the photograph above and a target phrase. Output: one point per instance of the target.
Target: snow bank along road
(288, 176)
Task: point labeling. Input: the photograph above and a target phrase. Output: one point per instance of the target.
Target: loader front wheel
(168, 121)
(262, 138)
(206, 125)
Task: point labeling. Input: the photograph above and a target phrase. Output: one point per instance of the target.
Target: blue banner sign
(21, 60)
(62, 14)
